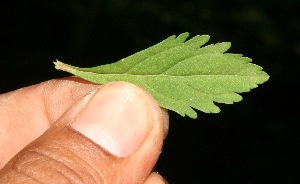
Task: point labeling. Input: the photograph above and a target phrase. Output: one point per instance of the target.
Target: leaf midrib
(163, 75)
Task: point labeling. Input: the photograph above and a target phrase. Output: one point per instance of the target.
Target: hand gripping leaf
(182, 76)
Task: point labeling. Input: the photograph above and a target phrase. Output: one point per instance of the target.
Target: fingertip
(165, 117)
(155, 178)
(118, 117)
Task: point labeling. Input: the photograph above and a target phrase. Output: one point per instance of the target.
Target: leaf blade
(182, 76)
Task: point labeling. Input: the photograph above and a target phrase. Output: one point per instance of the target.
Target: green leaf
(182, 76)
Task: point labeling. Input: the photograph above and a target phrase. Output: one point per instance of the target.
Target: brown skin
(39, 116)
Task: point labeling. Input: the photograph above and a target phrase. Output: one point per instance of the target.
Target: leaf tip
(265, 76)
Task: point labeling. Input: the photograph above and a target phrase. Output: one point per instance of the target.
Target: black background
(253, 141)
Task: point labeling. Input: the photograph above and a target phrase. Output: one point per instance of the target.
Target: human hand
(76, 132)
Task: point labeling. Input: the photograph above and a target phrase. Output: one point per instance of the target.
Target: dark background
(253, 141)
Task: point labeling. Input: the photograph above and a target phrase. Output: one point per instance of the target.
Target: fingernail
(118, 118)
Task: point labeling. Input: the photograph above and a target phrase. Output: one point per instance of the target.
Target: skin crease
(29, 112)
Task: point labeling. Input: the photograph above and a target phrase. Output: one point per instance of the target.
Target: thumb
(112, 135)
